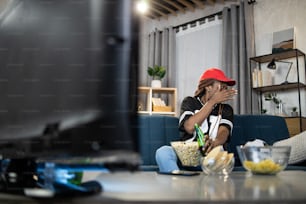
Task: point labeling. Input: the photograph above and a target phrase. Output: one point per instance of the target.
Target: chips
(218, 161)
(266, 166)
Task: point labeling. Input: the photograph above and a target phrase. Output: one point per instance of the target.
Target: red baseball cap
(217, 74)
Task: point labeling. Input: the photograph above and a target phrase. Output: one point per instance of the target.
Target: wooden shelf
(280, 87)
(295, 124)
(278, 56)
(150, 92)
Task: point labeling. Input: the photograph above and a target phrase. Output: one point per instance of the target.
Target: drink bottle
(200, 138)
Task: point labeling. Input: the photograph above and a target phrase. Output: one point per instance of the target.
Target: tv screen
(68, 80)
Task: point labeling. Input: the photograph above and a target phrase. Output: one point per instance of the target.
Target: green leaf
(157, 72)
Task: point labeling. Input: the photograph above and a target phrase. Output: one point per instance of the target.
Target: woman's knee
(165, 152)
(166, 159)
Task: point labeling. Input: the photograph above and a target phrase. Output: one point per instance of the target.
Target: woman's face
(217, 86)
(222, 85)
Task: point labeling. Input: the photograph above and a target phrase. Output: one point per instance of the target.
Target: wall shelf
(148, 93)
(280, 87)
(295, 124)
(278, 56)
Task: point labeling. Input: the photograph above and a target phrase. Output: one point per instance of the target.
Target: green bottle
(200, 138)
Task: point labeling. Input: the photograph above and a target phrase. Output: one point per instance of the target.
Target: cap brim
(230, 82)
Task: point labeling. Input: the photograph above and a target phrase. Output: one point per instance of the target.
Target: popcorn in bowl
(187, 152)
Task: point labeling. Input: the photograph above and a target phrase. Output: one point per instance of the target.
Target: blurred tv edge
(68, 82)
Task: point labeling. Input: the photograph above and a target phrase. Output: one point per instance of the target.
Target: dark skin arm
(199, 117)
(222, 136)
(217, 96)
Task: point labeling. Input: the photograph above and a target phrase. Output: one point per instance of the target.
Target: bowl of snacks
(218, 161)
(187, 152)
(267, 160)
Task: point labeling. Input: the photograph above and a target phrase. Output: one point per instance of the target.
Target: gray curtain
(238, 47)
(162, 52)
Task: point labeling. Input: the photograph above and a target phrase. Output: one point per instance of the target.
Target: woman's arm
(199, 117)
(218, 97)
(222, 137)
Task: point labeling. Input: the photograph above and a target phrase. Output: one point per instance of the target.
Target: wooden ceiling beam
(152, 16)
(211, 2)
(199, 3)
(172, 3)
(165, 7)
(222, 1)
(159, 12)
(187, 4)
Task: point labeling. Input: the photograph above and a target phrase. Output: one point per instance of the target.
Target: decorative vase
(156, 83)
(280, 109)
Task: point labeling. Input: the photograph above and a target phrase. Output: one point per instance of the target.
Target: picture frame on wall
(283, 40)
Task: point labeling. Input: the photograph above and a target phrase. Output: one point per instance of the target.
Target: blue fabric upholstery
(158, 130)
(250, 127)
(155, 131)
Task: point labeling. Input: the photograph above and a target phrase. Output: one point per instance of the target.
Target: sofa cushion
(154, 132)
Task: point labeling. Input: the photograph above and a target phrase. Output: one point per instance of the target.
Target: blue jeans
(166, 159)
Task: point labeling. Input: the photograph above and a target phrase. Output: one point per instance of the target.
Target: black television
(68, 86)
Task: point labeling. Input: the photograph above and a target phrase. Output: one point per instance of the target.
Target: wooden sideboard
(293, 124)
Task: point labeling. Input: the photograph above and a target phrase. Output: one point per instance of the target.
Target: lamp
(272, 65)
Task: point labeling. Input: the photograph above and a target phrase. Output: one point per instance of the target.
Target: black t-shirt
(192, 105)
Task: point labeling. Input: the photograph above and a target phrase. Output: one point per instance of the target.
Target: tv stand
(21, 176)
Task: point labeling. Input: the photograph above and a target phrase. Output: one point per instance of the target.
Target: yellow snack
(266, 166)
(218, 161)
(214, 152)
(213, 156)
(229, 159)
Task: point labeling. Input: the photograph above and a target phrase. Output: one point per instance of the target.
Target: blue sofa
(155, 131)
(158, 130)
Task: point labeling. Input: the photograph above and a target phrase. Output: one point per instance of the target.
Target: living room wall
(148, 25)
(276, 15)
(269, 16)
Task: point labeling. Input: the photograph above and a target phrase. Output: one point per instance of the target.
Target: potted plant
(157, 73)
(278, 104)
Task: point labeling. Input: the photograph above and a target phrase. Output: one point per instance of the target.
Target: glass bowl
(264, 160)
(218, 162)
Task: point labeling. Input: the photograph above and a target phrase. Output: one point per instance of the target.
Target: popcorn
(187, 152)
